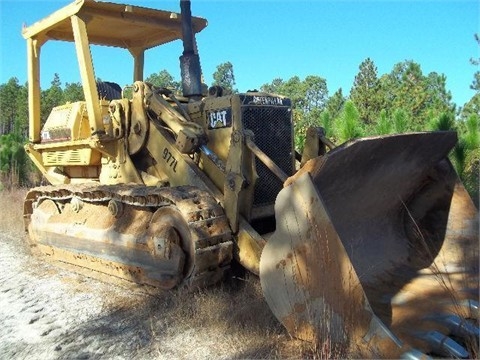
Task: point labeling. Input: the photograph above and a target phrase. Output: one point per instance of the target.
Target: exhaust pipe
(190, 69)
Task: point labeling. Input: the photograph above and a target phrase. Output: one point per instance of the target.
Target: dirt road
(52, 313)
(57, 314)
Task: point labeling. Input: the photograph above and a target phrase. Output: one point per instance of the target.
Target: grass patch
(11, 203)
(231, 318)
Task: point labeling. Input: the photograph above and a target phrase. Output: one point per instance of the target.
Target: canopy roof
(111, 24)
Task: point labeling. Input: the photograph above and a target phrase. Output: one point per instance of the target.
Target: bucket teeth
(458, 326)
(443, 344)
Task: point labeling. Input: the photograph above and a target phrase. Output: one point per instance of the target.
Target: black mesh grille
(273, 135)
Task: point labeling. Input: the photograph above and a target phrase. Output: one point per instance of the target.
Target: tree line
(403, 100)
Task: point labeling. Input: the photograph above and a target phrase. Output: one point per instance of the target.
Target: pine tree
(365, 92)
(335, 104)
(316, 93)
(51, 97)
(348, 126)
(384, 125)
(8, 104)
(225, 77)
(73, 92)
(400, 121)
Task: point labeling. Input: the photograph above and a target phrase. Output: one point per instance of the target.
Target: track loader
(372, 245)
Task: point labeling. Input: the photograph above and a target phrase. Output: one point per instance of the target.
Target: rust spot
(299, 328)
(299, 308)
(309, 233)
(281, 264)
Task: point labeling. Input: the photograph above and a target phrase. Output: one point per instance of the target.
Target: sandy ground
(48, 312)
(51, 313)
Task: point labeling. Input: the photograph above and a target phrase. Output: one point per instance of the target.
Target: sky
(268, 39)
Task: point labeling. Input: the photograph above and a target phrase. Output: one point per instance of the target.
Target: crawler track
(125, 231)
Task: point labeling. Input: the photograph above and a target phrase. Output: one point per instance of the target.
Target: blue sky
(267, 39)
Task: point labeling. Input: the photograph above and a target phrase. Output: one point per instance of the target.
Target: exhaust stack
(190, 70)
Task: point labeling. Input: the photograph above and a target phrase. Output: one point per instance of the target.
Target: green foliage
(420, 96)
(225, 77)
(471, 172)
(466, 155)
(384, 125)
(164, 79)
(51, 97)
(466, 163)
(307, 95)
(13, 107)
(73, 92)
(292, 88)
(438, 98)
(275, 87)
(335, 103)
(472, 107)
(366, 92)
(472, 135)
(401, 121)
(347, 126)
(476, 81)
(326, 121)
(459, 155)
(314, 118)
(316, 93)
(444, 122)
(14, 164)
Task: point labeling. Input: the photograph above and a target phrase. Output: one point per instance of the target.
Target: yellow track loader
(372, 244)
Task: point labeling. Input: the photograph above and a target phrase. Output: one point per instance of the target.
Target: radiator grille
(272, 127)
(67, 157)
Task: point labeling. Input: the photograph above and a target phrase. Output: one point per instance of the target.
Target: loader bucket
(376, 250)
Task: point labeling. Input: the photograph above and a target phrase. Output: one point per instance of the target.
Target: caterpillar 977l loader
(372, 244)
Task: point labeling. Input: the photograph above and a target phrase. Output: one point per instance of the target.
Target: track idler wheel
(169, 239)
